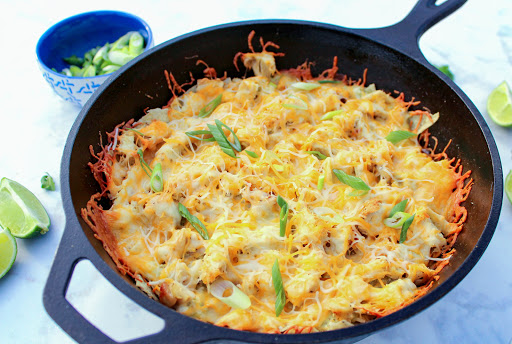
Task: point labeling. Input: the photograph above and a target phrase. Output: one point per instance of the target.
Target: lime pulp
(8, 251)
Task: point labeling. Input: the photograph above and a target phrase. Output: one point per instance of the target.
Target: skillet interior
(143, 84)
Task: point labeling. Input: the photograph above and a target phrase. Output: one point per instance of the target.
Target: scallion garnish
(398, 207)
(397, 220)
(331, 114)
(399, 135)
(229, 293)
(208, 109)
(226, 146)
(143, 164)
(251, 154)
(272, 84)
(357, 193)
(193, 134)
(352, 181)
(320, 184)
(405, 227)
(47, 182)
(283, 215)
(306, 86)
(329, 81)
(317, 154)
(157, 179)
(136, 131)
(302, 105)
(194, 221)
(277, 280)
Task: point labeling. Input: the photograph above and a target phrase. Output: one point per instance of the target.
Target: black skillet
(394, 62)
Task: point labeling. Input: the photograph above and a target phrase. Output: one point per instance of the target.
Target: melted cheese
(340, 264)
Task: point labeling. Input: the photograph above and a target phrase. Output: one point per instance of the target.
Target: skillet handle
(54, 295)
(404, 35)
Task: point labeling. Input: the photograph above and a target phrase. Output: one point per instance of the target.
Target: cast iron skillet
(394, 62)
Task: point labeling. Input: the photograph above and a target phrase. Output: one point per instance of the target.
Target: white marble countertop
(476, 42)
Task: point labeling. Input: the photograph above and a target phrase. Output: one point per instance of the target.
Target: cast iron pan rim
(346, 333)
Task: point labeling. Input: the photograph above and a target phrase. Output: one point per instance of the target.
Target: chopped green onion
(136, 44)
(321, 181)
(283, 215)
(329, 81)
(236, 146)
(272, 84)
(143, 164)
(405, 227)
(301, 106)
(212, 105)
(76, 71)
(136, 131)
(47, 182)
(101, 55)
(306, 86)
(399, 135)
(317, 154)
(446, 71)
(251, 154)
(397, 220)
(357, 193)
(193, 134)
(89, 71)
(74, 60)
(222, 140)
(157, 179)
(331, 114)
(119, 57)
(194, 221)
(109, 69)
(229, 293)
(277, 280)
(354, 182)
(398, 207)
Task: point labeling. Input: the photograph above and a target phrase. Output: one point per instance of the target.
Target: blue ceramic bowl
(75, 36)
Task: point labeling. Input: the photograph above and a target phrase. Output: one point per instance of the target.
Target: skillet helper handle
(404, 35)
(54, 295)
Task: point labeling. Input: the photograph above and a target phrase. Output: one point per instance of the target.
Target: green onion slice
(229, 293)
(194, 221)
(272, 84)
(397, 220)
(399, 135)
(321, 181)
(277, 280)
(221, 139)
(306, 86)
(212, 105)
(405, 227)
(398, 207)
(301, 106)
(136, 131)
(329, 81)
(278, 168)
(157, 179)
(331, 114)
(354, 182)
(193, 134)
(283, 215)
(251, 154)
(236, 146)
(358, 193)
(143, 164)
(47, 182)
(317, 154)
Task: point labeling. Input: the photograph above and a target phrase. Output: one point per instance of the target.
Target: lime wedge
(8, 250)
(508, 186)
(499, 105)
(20, 211)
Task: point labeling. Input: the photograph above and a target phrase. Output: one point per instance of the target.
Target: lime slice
(499, 105)
(20, 211)
(8, 250)
(508, 186)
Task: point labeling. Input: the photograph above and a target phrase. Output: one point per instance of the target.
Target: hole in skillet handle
(105, 307)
